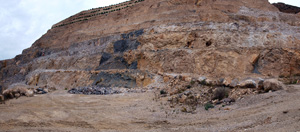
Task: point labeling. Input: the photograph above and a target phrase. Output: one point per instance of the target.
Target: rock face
(287, 8)
(133, 44)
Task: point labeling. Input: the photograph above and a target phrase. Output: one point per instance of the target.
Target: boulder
(46, 90)
(260, 84)
(234, 83)
(8, 93)
(228, 100)
(272, 84)
(22, 91)
(202, 80)
(187, 93)
(17, 95)
(249, 83)
(29, 93)
(209, 82)
(187, 79)
(226, 82)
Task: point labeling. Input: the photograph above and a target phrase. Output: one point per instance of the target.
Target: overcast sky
(24, 21)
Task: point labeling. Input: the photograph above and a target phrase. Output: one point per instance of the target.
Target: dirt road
(63, 112)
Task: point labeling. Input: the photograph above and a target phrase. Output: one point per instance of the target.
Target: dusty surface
(59, 111)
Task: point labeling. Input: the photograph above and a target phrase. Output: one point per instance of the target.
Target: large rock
(234, 83)
(29, 93)
(272, 84)
(249, 83)
(202, 80)
(260, 83)
(17, 90)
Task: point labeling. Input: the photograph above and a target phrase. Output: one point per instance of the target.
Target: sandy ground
(63, 112)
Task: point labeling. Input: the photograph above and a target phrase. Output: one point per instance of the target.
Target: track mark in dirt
(16, 123)
(81, 124)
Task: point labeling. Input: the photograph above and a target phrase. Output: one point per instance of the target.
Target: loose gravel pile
(94, 90)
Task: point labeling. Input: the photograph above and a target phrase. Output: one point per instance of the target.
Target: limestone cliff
(139, 43)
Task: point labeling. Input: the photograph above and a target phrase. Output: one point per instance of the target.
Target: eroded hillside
(153, 39)
(171, 56)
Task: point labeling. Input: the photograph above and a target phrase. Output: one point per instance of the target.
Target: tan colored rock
(17, 95)
(166, 79)
(29, 93)
(272, 85)
(254, 58)
(198, 3)
(188, 79)
(23, 91)
(226, 82)
(209, 82)
(183, 98)
(46, 90)
(147, 81)
(249, 83)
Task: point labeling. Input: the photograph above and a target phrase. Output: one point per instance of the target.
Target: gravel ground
(60, 111)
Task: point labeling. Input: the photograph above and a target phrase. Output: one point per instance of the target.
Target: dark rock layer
(287, 8)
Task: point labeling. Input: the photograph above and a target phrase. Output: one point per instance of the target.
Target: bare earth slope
(185, 53)
(61, 112)
(231, 39)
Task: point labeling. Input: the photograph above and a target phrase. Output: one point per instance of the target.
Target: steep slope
(287, 8)
(149, 40)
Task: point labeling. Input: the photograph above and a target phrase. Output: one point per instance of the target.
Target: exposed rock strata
(140, 45)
